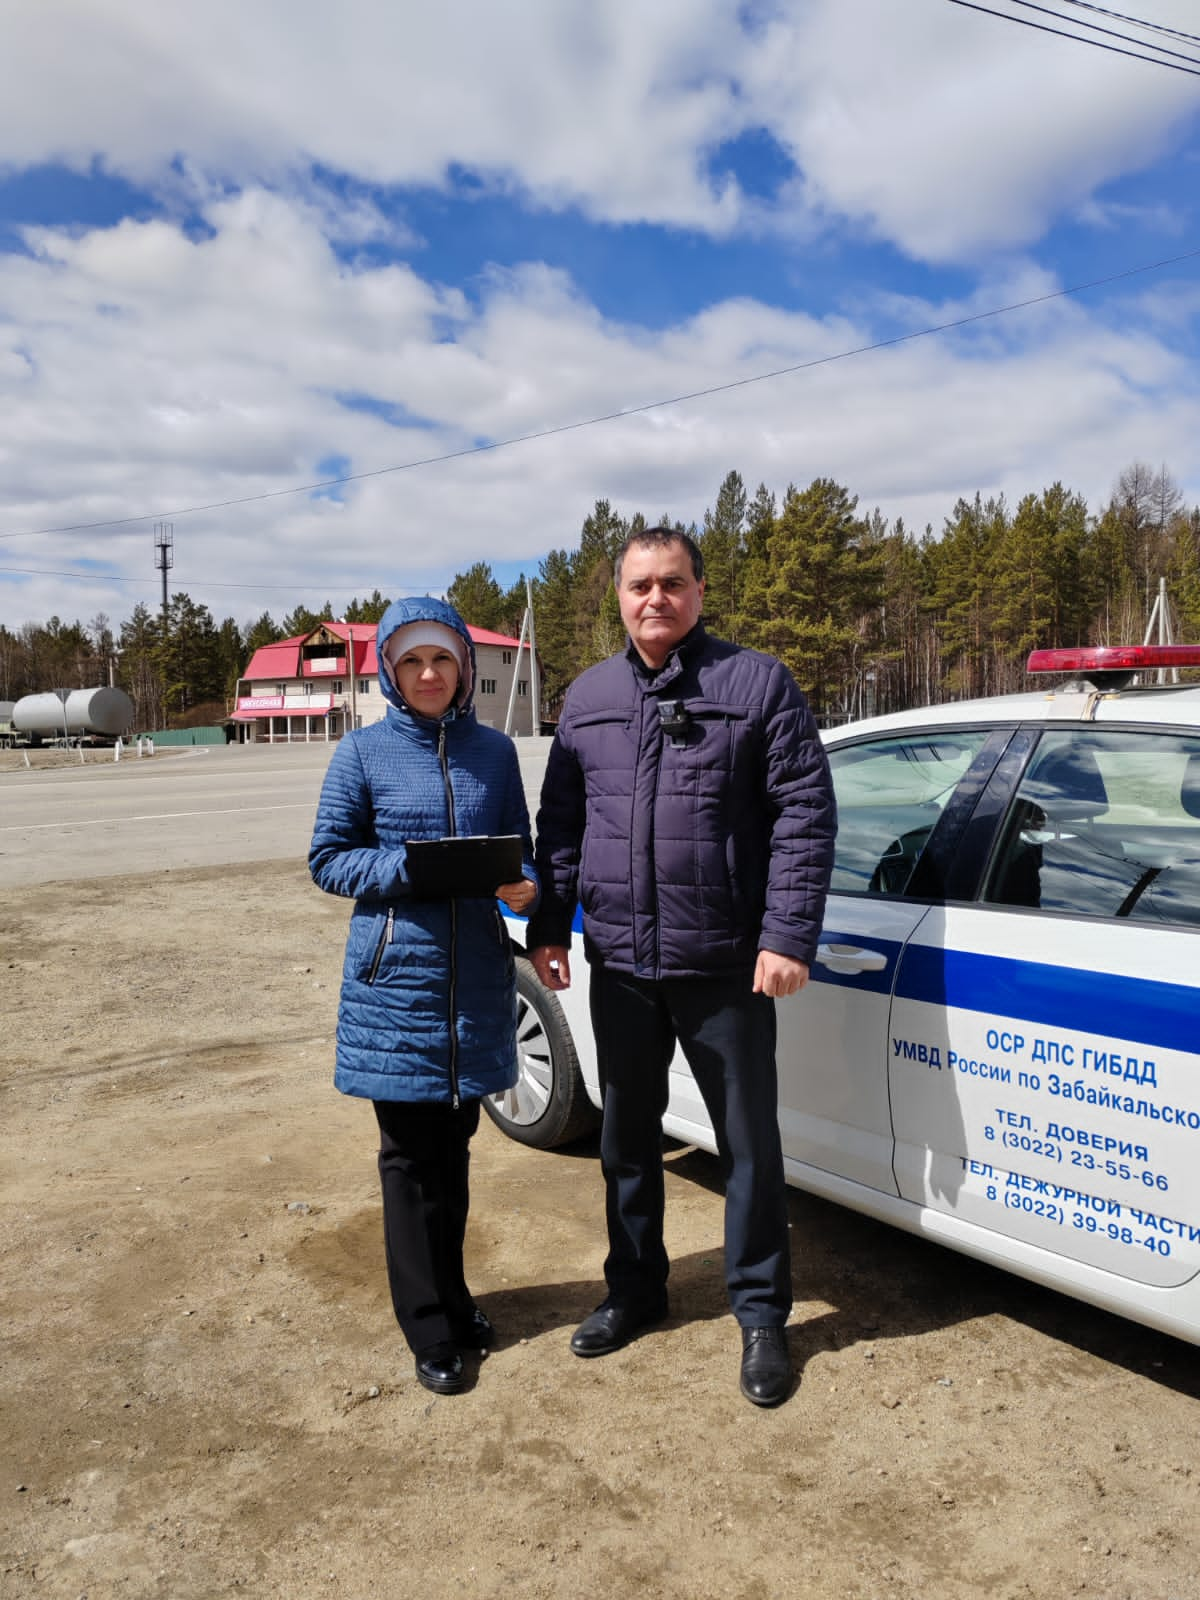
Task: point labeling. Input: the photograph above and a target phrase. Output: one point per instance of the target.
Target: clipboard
(471, 865)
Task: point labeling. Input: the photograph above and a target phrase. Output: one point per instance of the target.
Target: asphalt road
(198, 806)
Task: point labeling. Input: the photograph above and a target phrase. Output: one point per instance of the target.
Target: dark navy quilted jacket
(428, 1002)
(688, 854)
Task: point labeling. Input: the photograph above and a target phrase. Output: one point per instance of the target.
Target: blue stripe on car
(1107, 1004)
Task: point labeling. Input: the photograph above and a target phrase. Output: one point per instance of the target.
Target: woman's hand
(517, 896)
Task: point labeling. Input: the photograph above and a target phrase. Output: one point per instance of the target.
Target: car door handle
(851, 958)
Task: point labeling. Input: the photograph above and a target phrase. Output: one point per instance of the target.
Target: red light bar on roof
(1114, 658)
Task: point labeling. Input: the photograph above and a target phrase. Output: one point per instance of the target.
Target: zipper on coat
(662, 745)
(453, 991)
(385, 938)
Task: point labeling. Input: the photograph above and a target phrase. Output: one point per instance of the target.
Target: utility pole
(534, 686)
(1160, 618)
(164, 560)
(353, 675)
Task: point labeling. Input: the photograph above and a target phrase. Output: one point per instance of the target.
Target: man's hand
(778, 976)
(553, 965)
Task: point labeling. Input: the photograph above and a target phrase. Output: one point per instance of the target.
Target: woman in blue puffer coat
(427, 1019)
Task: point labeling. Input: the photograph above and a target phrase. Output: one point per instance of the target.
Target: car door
(898, 794)
(1042, 1054)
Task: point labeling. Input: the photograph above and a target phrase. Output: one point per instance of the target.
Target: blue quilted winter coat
(428, 1001)
(689, 852)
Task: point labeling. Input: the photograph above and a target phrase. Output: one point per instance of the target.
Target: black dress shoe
(766, 1366)
(441, 1368)
(613, 1325)
(474, 1330)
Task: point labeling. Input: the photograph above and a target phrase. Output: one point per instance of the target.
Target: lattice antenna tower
(164, 559)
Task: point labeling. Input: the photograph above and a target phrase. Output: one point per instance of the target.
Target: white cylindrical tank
(108, 712)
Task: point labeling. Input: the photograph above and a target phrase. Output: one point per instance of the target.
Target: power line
(107, 577)
(1026, 22)
(1138, 22)
(1096, 27)
(629, 411)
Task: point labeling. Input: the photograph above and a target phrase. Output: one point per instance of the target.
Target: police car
(999, 1047)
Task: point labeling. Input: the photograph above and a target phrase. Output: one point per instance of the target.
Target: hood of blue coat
(423, 609)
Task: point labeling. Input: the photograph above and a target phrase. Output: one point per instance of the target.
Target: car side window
(1105, 824)
(890, 793)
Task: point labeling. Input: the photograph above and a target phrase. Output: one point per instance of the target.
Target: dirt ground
(204, 1393)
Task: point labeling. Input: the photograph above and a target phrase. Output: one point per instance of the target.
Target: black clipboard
(470, 865)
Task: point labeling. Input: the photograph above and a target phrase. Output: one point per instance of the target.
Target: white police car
(999, 1047)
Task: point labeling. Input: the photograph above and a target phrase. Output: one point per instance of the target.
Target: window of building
(487, 685)
(523, 688)
(506, 658)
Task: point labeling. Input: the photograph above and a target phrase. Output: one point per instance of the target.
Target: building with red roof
(321, 684)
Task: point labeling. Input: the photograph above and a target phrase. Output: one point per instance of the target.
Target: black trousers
(424, 1160)
(727, 1034)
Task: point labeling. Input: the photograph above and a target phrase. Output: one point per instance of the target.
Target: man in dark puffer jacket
(687, 806)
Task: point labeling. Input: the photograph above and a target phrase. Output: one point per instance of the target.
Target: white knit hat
(411, 634)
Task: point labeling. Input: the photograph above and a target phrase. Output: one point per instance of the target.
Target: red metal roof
(282, 659)
(485, 636)
(280, 711)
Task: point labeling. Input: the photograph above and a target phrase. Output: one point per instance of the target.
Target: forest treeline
(178, 670)
(868, 616)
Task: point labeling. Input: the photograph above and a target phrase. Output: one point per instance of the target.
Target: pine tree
(554, 613)
(962, 566)
(512, 611)
(12, 662)
(760, 523)
(806, 603)
(891, 628)
(302, 620)
(229, 656)
(61, 655)
(759, 527)
(264, 631)
(593, 635)
(1184, 576)
(192, 656)
(370, 610)
(601, 536)
(1023, 591)
(477, 597)
(721, 544)
(141, 667)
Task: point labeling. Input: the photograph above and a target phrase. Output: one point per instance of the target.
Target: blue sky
(243, 249)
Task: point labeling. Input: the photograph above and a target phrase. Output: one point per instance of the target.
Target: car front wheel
(548, 1105)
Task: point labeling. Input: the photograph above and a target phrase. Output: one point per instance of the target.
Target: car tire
(548, 1105)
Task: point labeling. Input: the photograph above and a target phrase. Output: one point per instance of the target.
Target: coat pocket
(381, 944)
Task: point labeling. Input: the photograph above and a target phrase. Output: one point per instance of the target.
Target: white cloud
(154, 365)
(606, 107)
(900, 116)
(154, 371)
(951, 133)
